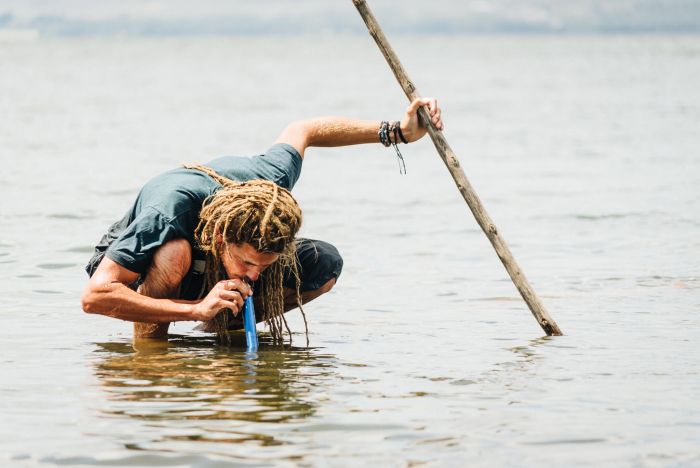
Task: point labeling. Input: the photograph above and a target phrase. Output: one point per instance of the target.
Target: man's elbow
(298, 134)
(88, 301)
(92, 300)
(299, 128)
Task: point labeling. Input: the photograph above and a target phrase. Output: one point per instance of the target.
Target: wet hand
(226, 294)
(411, 126)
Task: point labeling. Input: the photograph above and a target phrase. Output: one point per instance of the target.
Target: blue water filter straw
(251, 335)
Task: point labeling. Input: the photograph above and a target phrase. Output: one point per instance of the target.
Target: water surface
(584, 150)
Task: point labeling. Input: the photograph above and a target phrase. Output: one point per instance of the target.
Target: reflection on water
(190, 390)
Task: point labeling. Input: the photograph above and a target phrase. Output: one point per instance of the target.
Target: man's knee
(320, 263)
(176, 255)
(327, 286)
(331, 264)
(170, 264)
(308, 296)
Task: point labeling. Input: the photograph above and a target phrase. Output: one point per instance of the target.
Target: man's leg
(171, 263)
(319, 264)
(290, 295)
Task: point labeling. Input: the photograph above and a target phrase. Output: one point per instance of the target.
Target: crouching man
(199, 240)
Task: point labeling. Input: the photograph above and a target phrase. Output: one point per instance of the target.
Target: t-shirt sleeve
(136, 245)
(280, 164)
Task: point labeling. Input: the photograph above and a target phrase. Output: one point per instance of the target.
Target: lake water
(584, 150)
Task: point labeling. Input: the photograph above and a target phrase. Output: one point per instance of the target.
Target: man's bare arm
(341, 131)
(107, 293)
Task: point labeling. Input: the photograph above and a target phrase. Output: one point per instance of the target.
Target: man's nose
(253, 274)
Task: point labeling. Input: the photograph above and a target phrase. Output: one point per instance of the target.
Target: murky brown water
(584, 151)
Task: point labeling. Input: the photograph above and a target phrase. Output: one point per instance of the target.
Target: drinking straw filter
(251, 336)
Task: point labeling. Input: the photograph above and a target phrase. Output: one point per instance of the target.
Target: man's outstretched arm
(340, 131)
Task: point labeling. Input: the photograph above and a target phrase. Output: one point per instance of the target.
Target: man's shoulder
(281, 164)
(176, 191)
(182, 180)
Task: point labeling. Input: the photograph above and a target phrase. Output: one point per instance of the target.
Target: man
(198, 240)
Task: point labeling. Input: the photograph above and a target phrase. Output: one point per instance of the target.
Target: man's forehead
(250, 254)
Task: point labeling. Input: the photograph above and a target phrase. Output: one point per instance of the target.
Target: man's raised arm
(340, 131)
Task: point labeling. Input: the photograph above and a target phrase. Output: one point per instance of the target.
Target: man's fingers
(233, 296)
(435, 112)
(229, 305)
(432, 106)
(433, 109)
(437, 119)
(413, 107)
(237, 285)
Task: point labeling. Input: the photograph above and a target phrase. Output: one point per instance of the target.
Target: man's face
(242, 261)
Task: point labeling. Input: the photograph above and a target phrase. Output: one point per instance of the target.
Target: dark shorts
(317, 261)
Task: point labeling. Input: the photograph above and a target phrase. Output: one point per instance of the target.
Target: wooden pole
(448, 156)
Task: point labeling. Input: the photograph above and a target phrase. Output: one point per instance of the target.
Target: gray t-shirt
(168, 205)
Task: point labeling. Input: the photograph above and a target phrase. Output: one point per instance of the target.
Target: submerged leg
(171, 263)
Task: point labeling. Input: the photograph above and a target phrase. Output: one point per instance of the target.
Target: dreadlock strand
(268, 211)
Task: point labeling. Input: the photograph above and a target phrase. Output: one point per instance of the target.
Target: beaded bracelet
(384, 133)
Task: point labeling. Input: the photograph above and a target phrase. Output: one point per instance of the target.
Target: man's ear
(219, 242)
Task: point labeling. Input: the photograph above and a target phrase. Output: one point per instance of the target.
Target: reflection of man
(196, 237)
(163, 380)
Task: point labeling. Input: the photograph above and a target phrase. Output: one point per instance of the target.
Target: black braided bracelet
(385, 131)
(398, 128)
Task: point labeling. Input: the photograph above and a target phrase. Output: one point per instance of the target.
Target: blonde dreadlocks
(267, 217)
